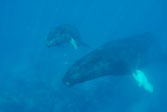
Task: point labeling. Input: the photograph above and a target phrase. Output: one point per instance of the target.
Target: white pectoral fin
(148, 87)
(73, 43)
(140, 77)
(137, 79)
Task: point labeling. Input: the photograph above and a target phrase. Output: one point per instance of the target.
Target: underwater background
(31, 73)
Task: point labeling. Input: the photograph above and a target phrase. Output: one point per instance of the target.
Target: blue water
(31, 74)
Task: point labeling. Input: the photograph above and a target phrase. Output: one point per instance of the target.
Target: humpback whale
(63, 34)
(125, 56)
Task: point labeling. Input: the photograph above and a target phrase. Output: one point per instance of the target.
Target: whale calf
(117, 57)
(63, 34)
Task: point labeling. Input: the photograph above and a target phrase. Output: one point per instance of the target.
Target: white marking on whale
(73, 43)
(142, 80)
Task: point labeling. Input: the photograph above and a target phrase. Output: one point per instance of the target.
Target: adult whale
(117, 57)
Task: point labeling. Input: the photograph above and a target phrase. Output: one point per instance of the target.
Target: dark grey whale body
(117, 57)
(62, 34)
(65, 34)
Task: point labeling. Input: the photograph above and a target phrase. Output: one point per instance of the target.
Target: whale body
(117, 57)
(64, 34)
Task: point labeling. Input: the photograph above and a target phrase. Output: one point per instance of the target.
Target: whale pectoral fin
(140, 77)
(148, 87)
(73, 43)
